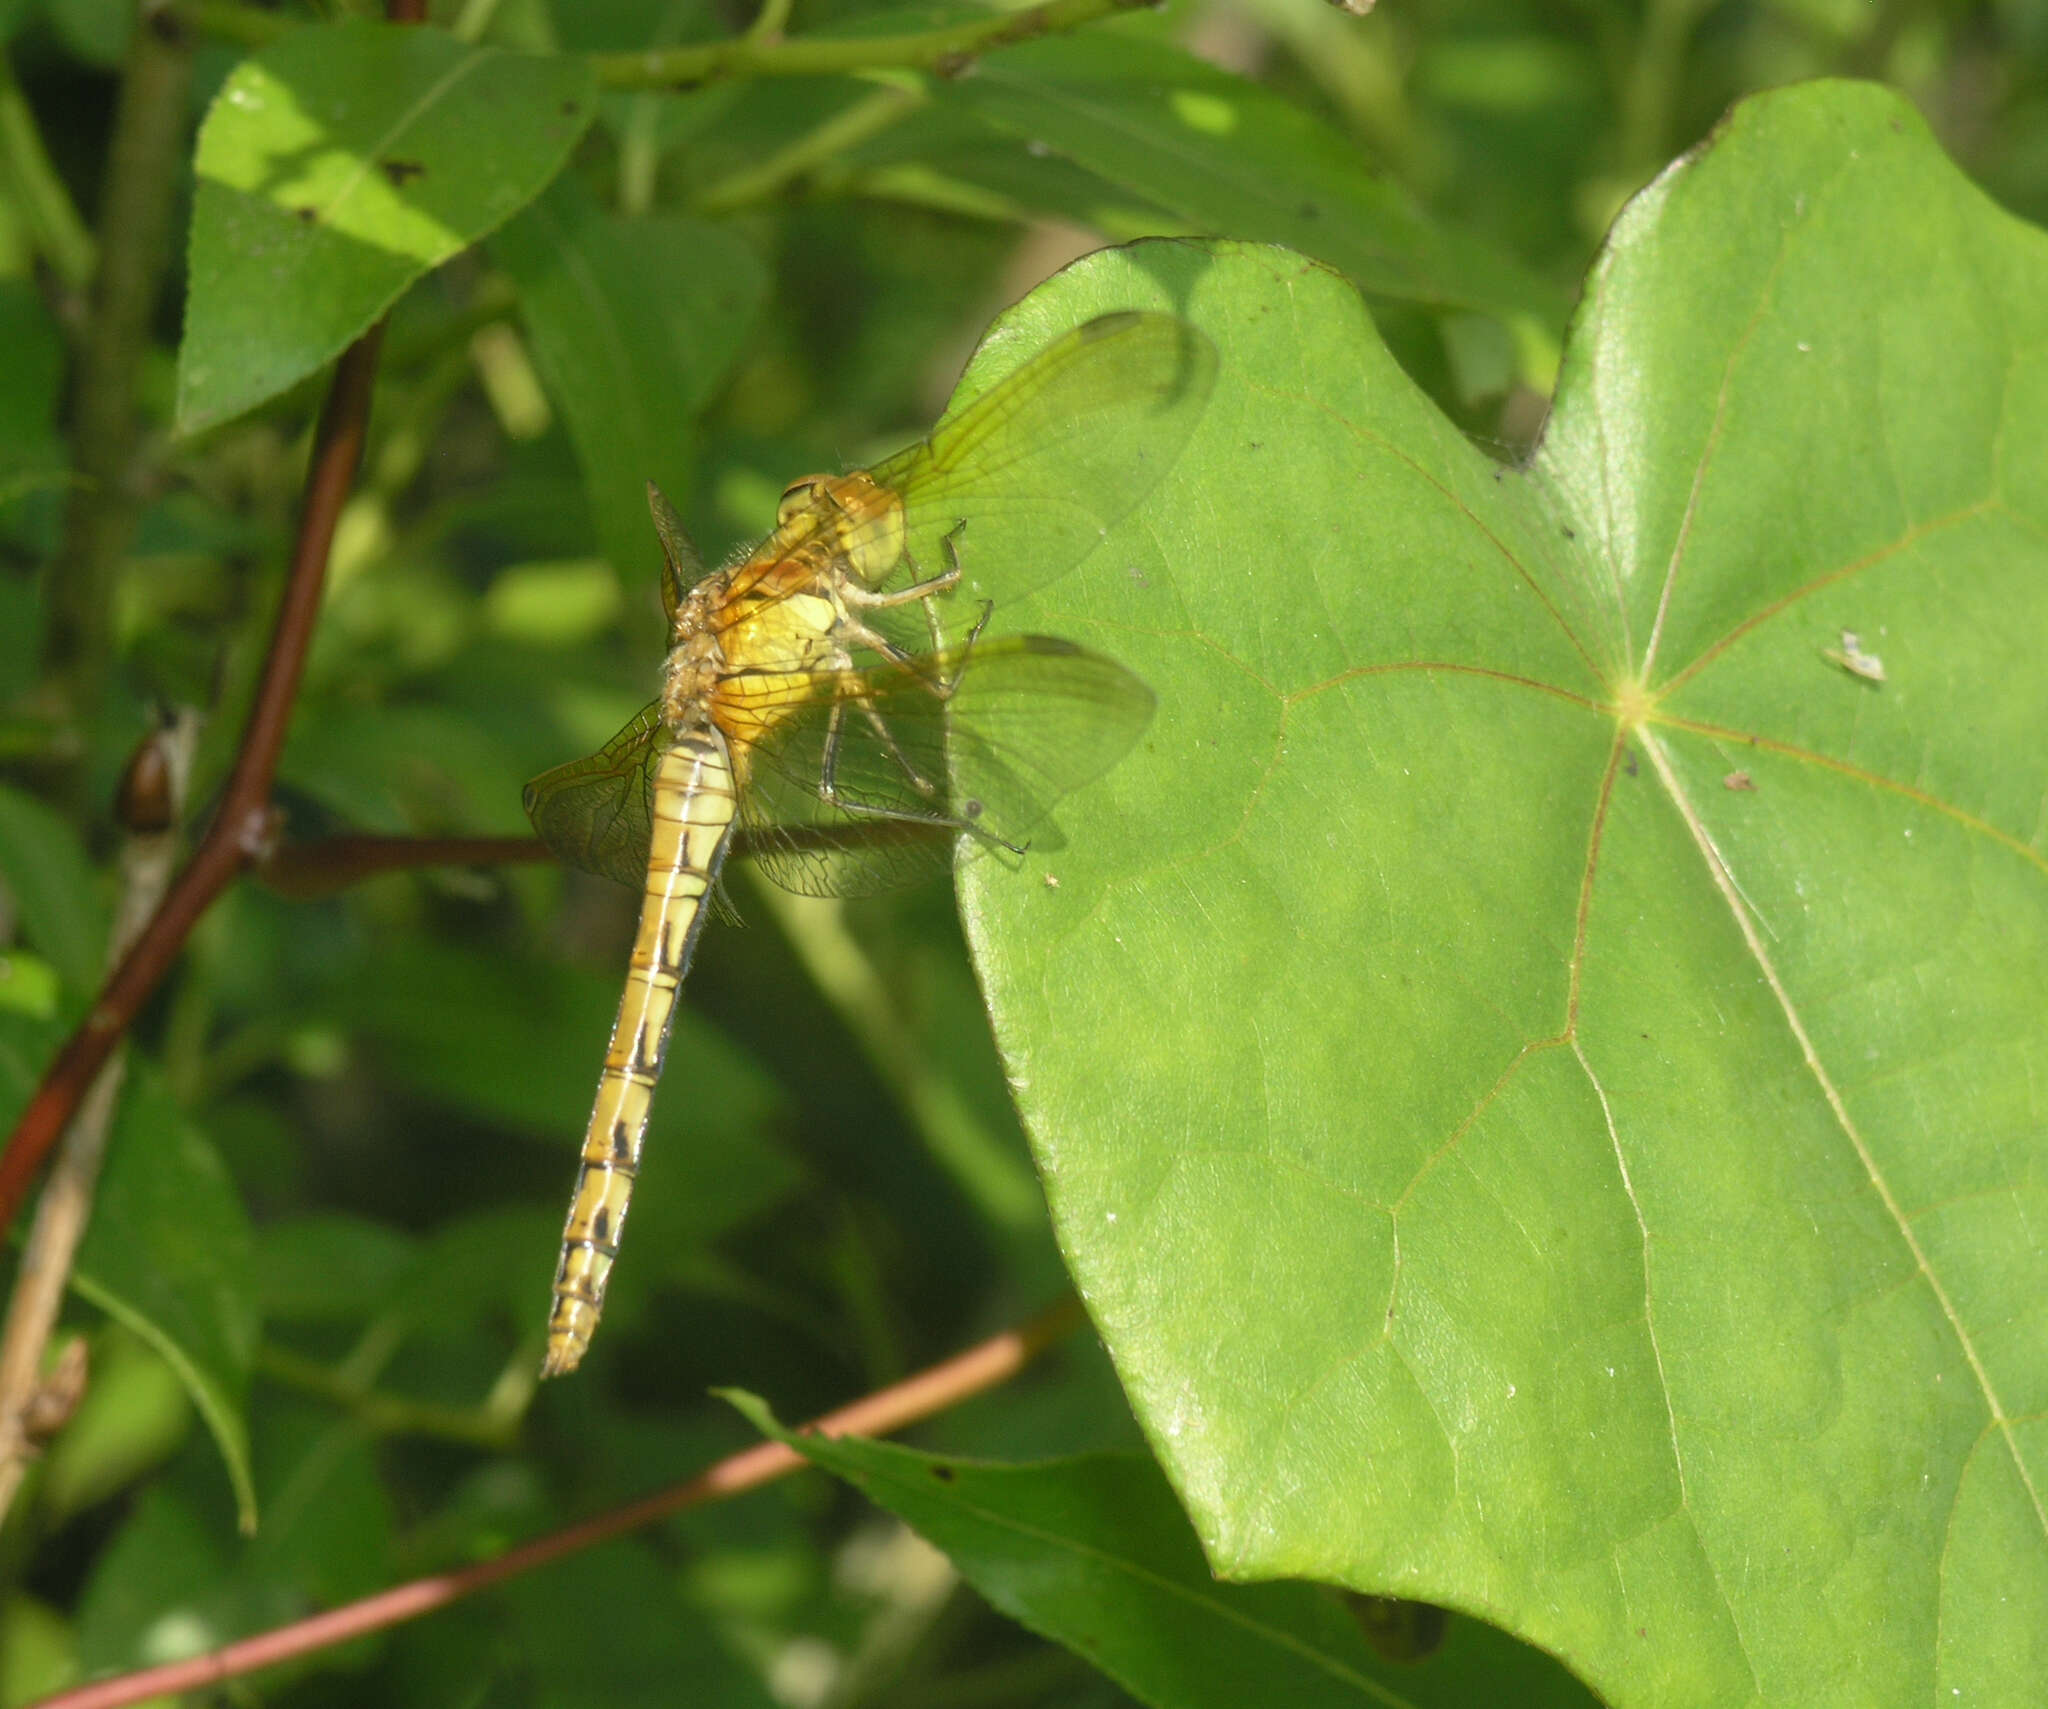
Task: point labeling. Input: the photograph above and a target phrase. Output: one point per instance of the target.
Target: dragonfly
(834, 695)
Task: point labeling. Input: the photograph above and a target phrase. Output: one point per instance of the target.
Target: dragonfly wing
(597, 813)
(1033, 719)
(1035, 471)
(1028, 720)
(682, 568)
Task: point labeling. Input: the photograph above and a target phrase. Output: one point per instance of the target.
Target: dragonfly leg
(924, 591)
(944, 582)
(828, 769)
(828, 785)
(902, 816)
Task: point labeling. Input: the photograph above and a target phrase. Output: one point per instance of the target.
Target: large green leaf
(634, 322)
(336, 167)
(1536, 1063)
(1092, 1552)
(1230, 157)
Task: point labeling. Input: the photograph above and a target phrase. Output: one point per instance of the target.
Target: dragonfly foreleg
(928, 589)
(925, 591)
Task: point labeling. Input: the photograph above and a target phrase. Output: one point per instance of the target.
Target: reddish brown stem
(303, 871)
(242, 824)
(993, 1361)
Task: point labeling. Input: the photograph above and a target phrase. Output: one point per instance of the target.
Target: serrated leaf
(337, 166)
(1093, 1553)
(1536, 1065)
(633, 323)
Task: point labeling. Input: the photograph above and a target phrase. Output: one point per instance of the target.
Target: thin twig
(994, 1176)
(970, 1373)
(306, 871)
(946, 51)
(494, 1426)
(151, 815)
(844, 130)
(242, 826)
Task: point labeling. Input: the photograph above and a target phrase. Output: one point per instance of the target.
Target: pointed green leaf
(1536, 1062)
(1093, 1553)
(337, 166)
(169, 1255)
(634, 322)
(52, 888)
(1236, 159)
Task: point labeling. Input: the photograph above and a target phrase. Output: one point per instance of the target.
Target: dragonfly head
(799, 495)
(859, 519)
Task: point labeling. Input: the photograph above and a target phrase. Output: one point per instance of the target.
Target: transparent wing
(1035, 471)
(682, 568)
(597, 813)
(1028, 720)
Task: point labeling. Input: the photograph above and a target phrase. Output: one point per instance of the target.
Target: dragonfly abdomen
(692, 816)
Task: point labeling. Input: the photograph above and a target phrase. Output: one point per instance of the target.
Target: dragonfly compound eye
(796, 495)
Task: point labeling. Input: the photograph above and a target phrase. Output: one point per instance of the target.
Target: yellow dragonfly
(833, 694)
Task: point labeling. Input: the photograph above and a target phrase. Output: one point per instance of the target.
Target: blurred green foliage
(370, 1099)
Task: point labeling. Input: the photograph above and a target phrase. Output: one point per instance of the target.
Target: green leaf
(168, 1254)
(1535, 1064)
(337, 166)
(1233, 158)
(135, 1414)
(609, 1628)
(1093, 1553)
(35, 1651)
(156, 1593)
(634, 323)
(30, 450)
(53, 889)
(521, 1042)
(328, 1268)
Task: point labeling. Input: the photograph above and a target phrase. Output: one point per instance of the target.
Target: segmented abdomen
(693, 810)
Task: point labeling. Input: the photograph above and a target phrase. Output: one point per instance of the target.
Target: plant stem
(66, 1204)
(488, 1426)
(990, 1173)
(1649, 93)
(967, 1374)
(143, 160)
(241, 827)
(848, 128)
(54, 225)
(770, 21)
(230, 21)
(946, 51)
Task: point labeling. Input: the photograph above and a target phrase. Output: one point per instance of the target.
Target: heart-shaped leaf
(1537, 1062)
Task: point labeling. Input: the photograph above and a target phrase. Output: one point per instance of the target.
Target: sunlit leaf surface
(336, 167)
(1535, 1061)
